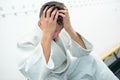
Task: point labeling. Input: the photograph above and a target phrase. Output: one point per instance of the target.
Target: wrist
(69, 30)
(46, 37)
(47, 33)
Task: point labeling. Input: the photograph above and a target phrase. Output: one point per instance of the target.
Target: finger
(62, 11)
(49, 11)
(53, 14)
(61, 14)
(65, 8)
(56, 16)
(44, 12)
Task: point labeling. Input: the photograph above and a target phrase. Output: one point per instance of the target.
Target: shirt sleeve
(34, 65)
(77, 50)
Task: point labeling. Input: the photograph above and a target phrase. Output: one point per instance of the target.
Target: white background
(96, 20)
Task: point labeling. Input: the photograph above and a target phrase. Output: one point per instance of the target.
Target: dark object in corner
(115, 67)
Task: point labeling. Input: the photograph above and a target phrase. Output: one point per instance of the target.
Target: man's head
(57, 5)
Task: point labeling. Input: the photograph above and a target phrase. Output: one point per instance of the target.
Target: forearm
(46, 45)
(76, 37)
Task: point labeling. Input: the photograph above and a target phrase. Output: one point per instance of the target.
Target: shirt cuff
(50, 64)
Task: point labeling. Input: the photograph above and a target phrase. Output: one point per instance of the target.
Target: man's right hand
(49, 20)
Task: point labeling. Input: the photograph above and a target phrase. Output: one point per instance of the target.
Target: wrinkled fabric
(68, 60)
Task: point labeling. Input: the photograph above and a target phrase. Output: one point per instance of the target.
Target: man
(58, 51)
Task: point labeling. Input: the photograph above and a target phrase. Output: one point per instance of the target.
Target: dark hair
(57, 5)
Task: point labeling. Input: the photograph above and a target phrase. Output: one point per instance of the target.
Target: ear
(39, 23)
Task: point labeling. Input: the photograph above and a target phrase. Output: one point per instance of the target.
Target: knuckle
(49, 11)
(66, 11)
(50, 21)
(53, 14)
(46, 20)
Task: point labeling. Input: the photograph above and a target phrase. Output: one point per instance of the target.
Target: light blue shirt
(68, 60)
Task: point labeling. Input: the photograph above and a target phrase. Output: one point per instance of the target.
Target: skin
(51, 30)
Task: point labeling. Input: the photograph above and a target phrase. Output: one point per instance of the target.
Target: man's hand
(48, 20)
(66, 19)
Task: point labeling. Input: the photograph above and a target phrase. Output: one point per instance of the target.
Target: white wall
(97, 20)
